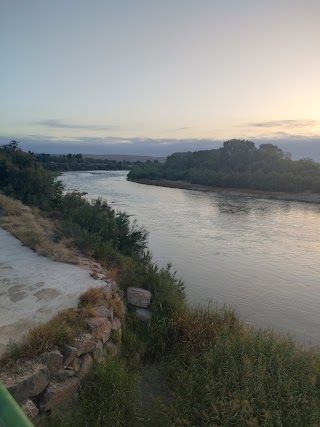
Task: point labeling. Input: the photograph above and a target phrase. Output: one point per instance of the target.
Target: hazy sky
(123, 71)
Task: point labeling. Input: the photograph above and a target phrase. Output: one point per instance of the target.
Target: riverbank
(193, 347)
(306, 197)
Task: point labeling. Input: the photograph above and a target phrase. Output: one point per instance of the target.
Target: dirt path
(151, 388)
(33, 288)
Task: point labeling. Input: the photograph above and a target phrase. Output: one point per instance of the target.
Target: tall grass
(220, 373)
(109, 398)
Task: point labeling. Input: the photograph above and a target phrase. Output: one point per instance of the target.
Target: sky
(156, 76)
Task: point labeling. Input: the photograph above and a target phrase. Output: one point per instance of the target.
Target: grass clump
(92, 297)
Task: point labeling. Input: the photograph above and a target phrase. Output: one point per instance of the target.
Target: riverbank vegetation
(215, 369)
(78, 162)
(238, 164)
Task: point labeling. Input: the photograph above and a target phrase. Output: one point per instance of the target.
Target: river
(260, 256)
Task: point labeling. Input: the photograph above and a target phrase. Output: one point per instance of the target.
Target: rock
(97, 351)
(116, 324)
(76, 364)
(69, 353)
(143, 314)
(63, 374)
(68, 405)
(28, 383)
(100, 328)
(30, 409)
(110, 349)
(58, 393)
(103, 311)
(84, 343)
(86, 363)
(53, 360)
(139, 297)
(107, 290)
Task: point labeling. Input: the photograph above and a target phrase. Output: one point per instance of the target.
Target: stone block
(100, 328)
(138, 297)
(30, 409)
(53, 360)
(57, 393)
(103, 311)
(29, 382)
(69, 353)
(84, 343)
(143, 314)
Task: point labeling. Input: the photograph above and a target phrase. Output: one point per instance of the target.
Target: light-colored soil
(34, 288)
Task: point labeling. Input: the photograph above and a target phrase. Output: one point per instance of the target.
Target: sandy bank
(33, 288)
(296, 197)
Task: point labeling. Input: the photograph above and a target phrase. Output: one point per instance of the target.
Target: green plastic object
(11, 415)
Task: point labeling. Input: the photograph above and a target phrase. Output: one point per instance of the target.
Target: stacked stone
(53, 380)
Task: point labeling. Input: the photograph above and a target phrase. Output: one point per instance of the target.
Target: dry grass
(118, 307)
(61, 329)
(93, 297)
(33, 230)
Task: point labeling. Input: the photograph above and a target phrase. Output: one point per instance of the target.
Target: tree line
(94, 226)
(237, 164)
(77, 162)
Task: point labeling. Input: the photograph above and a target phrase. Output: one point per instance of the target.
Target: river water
(260, 256)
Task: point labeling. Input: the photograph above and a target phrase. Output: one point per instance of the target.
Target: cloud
(285, 124)
(59, 124)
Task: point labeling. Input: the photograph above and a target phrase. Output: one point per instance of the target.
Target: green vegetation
(22, 177)
(109, 398)
(238, 164)
(216, 370)
(77, 162)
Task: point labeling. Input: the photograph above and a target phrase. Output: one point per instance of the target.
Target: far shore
(307, 197)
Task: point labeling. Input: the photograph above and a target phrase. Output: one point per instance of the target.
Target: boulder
(143, 314)
(29, 382)
(57, 393)
(100, 328)
(86, 363)
(138, 297)
(30, 409)
(84, 343)
(53, 360)
(69, 353)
